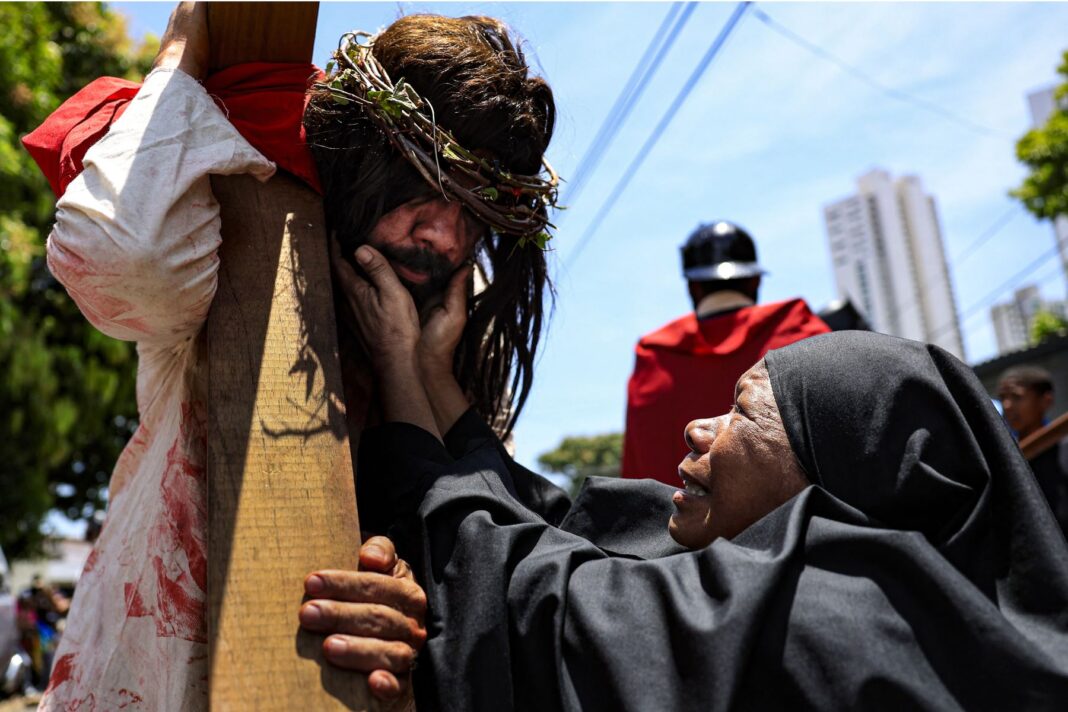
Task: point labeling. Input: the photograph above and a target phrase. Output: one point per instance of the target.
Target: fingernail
(310, 614)
(314, 584)
(334, 646)
(363, 255)
(373, 550)
(385, 688)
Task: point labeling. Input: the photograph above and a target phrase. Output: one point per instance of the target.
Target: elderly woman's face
(740, 467)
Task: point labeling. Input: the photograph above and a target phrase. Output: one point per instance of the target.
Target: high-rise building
(1042, 104)
(886, 246)
(1012, 320)
(1010, 329)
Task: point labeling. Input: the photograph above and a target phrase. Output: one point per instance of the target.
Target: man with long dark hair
(474, 76)
(453, 186)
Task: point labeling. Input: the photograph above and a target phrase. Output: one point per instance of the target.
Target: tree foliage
(1044, 151)
(1046, 325)
(67, 402)
(582, 457)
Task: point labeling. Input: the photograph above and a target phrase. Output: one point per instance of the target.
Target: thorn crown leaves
(509, 203)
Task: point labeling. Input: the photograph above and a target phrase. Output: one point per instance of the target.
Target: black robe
(1051, 472)
(921, 570)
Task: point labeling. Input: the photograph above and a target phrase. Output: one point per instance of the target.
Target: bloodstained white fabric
(135, 243)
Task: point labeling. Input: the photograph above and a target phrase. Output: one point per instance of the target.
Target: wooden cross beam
(281, 500)
(1044, 438)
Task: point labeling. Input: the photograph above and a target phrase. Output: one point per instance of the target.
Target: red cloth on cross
(687, 370)
(264, 101)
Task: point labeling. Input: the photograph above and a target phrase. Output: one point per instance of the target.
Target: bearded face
(425, 240)
(424, 272)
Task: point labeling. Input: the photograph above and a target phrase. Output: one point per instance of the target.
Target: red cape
(687, 370)
(264, 102)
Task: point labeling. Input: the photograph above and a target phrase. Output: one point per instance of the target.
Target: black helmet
(718, 251)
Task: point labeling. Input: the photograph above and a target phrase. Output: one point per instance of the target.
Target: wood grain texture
(281, 496)
(281, 500)
(261, 31)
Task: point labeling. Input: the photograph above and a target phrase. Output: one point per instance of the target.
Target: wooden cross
(1045, 437)
(281, 500)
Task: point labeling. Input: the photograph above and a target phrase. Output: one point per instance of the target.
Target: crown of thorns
(508, 202)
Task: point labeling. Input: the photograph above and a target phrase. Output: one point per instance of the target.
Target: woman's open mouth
(691, 488)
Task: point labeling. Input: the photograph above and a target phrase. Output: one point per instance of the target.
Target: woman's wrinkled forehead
(754, 376)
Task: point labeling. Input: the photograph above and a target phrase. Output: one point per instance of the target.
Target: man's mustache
(435, 266)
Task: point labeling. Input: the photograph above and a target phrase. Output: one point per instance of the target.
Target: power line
(1037, 281)
(658, 131)
(968, 251)
(651, 60)
(994, 229)
(996, 292)
(875, 83)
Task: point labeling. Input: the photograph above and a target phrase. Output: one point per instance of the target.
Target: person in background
(687, 368)
(1026, 395)
(30, 639)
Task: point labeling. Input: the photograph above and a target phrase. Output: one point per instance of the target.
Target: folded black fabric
(922, 570)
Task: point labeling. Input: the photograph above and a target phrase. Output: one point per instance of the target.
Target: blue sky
(770, 134)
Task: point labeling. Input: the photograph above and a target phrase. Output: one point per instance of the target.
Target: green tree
(67, 402)
(1044, 151)
(1046, 325)
(582, 457)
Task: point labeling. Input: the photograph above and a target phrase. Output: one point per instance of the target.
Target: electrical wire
(1037, 281)
(994, 229)
(984, 237)
(993, 294)
(875, 83)
(658, 131)
(635, 85)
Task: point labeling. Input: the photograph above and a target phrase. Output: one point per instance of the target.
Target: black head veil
(903, 432)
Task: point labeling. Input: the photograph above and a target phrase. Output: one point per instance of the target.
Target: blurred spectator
(1026, 394)
(42, 610)
(687, 369)
(31, 639)
(44, 602)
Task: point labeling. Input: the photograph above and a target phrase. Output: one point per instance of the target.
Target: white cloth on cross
(135, 244)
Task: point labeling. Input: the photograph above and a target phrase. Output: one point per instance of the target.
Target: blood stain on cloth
(90, 563)
(130, 460)
(88, 284)
(62, 670)
(128, 698)
(175, 597)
